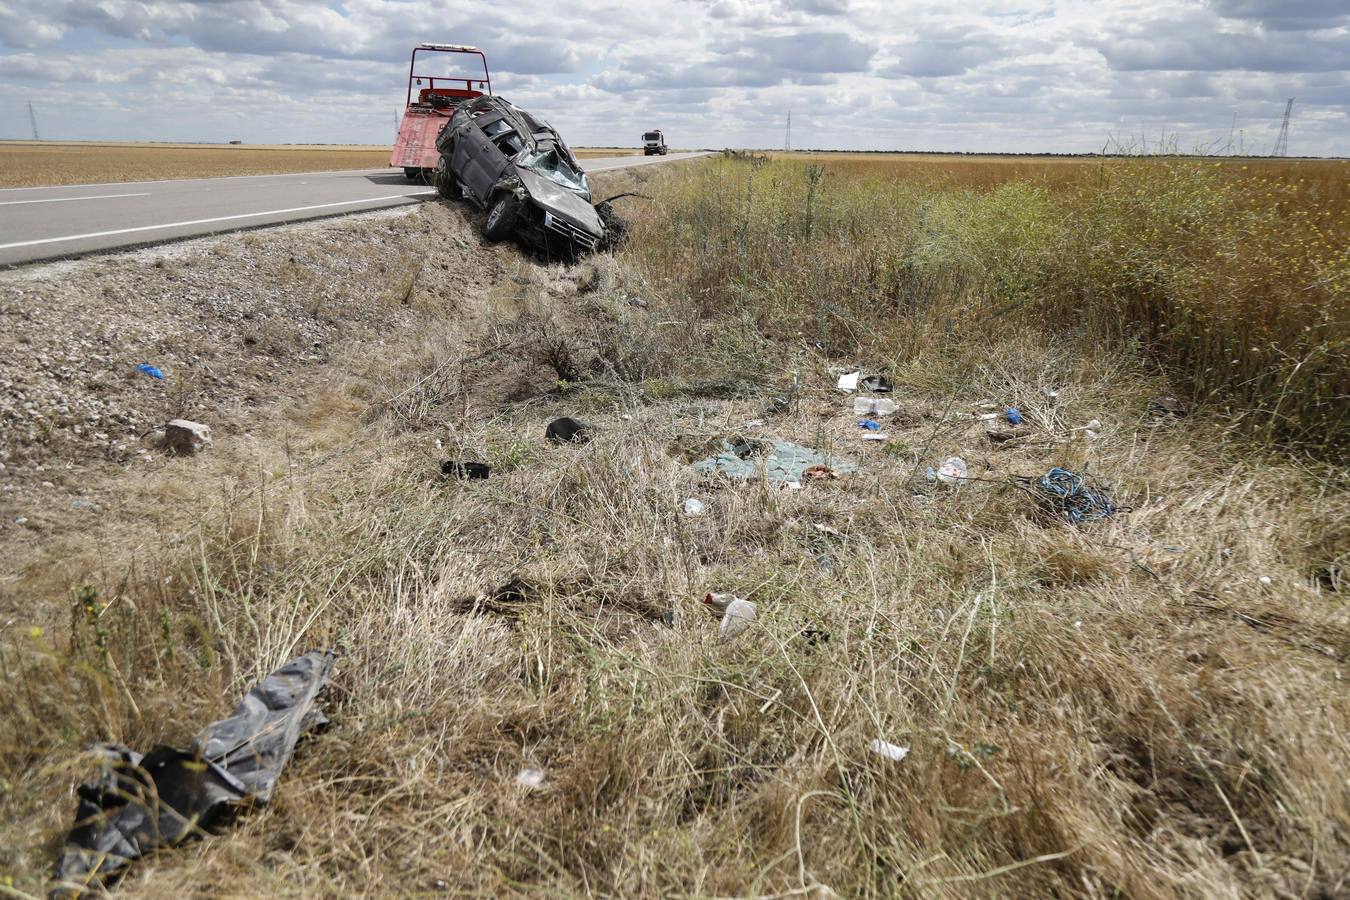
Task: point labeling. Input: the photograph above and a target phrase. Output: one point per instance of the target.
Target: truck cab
(654, 143)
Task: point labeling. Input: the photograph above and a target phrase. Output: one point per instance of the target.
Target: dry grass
(1235, 277)
(28, 164)
(1118, 710)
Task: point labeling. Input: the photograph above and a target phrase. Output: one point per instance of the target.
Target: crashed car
(518, 169)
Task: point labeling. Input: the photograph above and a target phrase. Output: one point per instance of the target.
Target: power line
(1282, 142)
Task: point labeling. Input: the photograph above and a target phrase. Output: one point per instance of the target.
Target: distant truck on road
(654, 143)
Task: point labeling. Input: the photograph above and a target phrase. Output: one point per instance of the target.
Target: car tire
(501, 217)
(446, 185)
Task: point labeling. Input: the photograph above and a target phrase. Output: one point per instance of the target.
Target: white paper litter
(694, 507)
(530, 778)
(888, 750)
(952, 470)
(848, 382)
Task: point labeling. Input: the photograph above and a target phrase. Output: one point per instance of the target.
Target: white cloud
(982, 75)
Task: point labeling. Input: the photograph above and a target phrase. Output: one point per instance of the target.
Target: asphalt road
(55, 222)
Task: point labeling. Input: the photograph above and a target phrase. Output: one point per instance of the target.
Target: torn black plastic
(168, 796)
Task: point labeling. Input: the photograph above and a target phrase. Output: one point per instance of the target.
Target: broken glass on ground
(169, 796)
(779, 460)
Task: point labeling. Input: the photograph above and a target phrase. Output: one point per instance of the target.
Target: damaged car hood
(560, 201)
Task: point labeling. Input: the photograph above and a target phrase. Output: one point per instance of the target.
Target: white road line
(254, 215)
(68, 199)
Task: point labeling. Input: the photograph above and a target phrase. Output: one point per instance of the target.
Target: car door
(471, 149)
(478, 161)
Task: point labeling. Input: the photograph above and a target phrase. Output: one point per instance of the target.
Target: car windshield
(652, 136)
(550, 164)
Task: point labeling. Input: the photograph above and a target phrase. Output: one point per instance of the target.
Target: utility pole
(1282, 142)
(787, 143)
(33, 118)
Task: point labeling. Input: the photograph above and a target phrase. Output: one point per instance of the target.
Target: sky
(1017, 76)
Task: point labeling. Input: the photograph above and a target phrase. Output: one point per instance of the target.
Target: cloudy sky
(1019, 75)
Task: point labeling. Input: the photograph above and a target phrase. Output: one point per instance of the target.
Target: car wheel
(446, 185)
(501, 217)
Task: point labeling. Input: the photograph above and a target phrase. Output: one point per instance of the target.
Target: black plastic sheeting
(568, 430)
(168, 795)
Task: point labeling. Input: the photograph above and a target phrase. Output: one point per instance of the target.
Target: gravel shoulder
(241, 326)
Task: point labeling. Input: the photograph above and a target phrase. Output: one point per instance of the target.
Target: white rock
(185, 437)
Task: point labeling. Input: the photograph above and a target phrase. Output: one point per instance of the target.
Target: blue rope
(1075, 498)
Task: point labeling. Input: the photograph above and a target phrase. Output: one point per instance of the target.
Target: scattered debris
(1163, 407)
(1091, 429)
(185, 438)
(890, 751)
(147, 369)
(507, 599)
(1014, 415)
(870, 424)
(826, 529)
(1003, 435)
(875, 436)
(694, 507)
(1076, 497)
(779, 460)
(530, 778)
(737, 614)
(877, 384)
(465, 470)
(567, 430)
(953, 470)
(1265, 581)
(813, 635)
(819, 473)
(873, 406)
(848, 382)
(140, 802)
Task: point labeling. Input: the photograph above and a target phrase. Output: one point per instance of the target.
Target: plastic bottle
(872, 406)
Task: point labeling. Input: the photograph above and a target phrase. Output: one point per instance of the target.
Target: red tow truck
(432, 99)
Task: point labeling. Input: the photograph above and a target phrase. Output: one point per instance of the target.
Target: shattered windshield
(549, 163)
